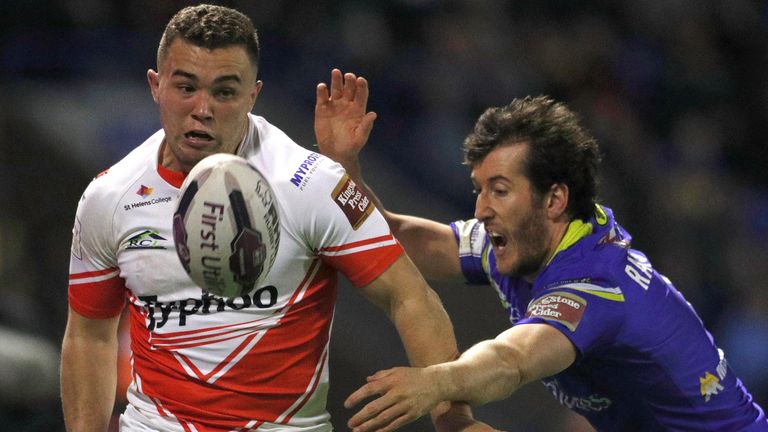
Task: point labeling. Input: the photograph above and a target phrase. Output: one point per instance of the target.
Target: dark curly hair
(560, 150)
(211, 27)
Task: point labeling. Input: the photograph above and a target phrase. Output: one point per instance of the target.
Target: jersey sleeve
(95, 287)
(588, 314)
(474, 250)
(346, 230)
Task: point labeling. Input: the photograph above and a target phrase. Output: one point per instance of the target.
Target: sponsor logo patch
(146, 240)
(352, 201)
(144, 191)
(305, 170)
(709, 383)
(153, 201)
(564, 308)
(710, 386)
(593, 402)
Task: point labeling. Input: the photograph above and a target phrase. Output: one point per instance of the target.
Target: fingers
(350, 86)
(361, 96)
(345, 86)
(360, 394)
(321, 96)
(337, 84)
(387, 420)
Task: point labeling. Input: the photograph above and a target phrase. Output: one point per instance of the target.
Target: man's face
(513, 214)
(204, 98)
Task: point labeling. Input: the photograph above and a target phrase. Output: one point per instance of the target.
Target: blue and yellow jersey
(645, 361)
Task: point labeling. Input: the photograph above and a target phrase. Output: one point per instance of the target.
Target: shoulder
(290, 168)
(109, 186)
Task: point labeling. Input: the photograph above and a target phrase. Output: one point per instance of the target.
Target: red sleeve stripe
(94, 276)
(359, 246)
(99, 300)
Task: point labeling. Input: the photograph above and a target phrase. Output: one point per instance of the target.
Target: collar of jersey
(577, 230)
(174, 178)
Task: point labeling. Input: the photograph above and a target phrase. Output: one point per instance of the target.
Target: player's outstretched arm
(490, 370)
(425, 330)
(88, 372)
(342, 128)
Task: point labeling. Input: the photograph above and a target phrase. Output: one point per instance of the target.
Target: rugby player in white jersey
(256, 362)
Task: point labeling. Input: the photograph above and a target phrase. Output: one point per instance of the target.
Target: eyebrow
(218, 80)
(491, 179)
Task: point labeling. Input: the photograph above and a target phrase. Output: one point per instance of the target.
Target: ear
(255, 92)
(153, 79)
(556, 201)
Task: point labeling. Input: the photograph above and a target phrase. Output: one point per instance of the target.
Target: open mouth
(497, 240)
(198, 136)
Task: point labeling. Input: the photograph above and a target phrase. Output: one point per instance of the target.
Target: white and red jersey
(205, 363)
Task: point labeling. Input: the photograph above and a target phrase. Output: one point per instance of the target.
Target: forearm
(428, 340)
(488, 371)
(88, 383)
(425, 329)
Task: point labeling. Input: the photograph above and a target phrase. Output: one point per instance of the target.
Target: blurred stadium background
(676, 92)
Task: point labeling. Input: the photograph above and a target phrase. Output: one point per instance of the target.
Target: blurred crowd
(675, 91)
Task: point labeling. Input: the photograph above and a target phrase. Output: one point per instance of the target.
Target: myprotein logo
(305, 170)
(159, 313)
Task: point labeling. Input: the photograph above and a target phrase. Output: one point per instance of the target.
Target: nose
(483, 211)
(202, 110)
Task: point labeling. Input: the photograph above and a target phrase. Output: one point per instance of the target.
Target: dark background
(675, 91)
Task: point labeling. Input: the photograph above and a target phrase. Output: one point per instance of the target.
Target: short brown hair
(211, 27)
(560, 150)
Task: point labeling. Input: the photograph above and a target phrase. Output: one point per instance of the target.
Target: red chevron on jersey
(239, 384)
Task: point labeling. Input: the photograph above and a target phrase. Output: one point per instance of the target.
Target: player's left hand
(342, 125)
(404, 395)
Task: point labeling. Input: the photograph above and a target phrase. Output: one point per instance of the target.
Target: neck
(563, 234)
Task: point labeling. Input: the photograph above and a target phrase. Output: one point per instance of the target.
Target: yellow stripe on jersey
(613, 294)
(577, 230)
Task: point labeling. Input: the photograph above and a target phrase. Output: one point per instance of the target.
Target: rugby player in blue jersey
(591, 317)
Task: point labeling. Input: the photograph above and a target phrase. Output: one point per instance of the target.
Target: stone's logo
(144, 191)
(352, 201)
(147, 239)
(562, 307)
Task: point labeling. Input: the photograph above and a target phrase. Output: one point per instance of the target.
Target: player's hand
(458, 418)
(404, 395)
(342, 125)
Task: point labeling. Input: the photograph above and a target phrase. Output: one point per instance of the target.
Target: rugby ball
(226, 227)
